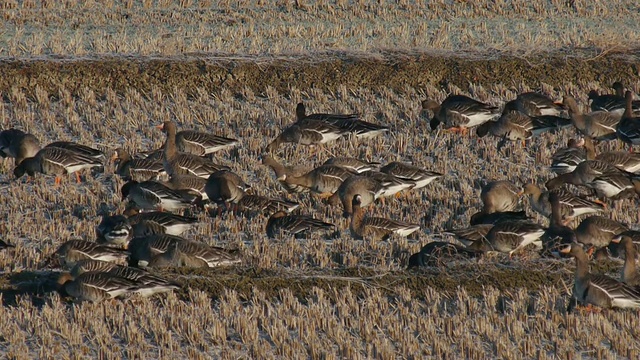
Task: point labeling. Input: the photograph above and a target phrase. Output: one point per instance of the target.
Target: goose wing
(205, 143)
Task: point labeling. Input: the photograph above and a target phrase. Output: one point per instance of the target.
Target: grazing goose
(628, 129)
(599, 125)
(459, 112)
(146, 284)
(471, 234)
(323, 180)
(599, 290)
(391, 184)
(114, 230)
(349, 123)
(352, 164)
(497, 217)
(176, 163)
(290, 171)
(70, 252)
(152, 195)
(629, 274)
(79, 148)
(535, 104)
(191, 183)
(420, 177)
(558, 235)
(56, 161)
(5, 245)
(186, 253)
(499, 196)
(137, 169)
(265, 205)
(224, 187)
(570, 205)
(169, 223)
(307, 131)
(200, 143)
(510, 236)
(96, 286)
(375, 228)
(597, 232)
(368, 188)
(153, 154)
(438, 253)
(623, 160)
(18, 144)
(294, 224)
(514, 125)
(611, 102)
(565, 159)
(605, 179)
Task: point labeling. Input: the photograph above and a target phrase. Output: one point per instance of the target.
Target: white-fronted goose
(5, 245)
(375, 228)
(350, 123)
(514, 125)
(565, 159)
(558, 234)
(570, 205)
(599, 125)
(599, 290)
(72, 251)
(510, 236)
(294, 224)
(79, 148)
(323, 180)
(200, 143)
(137, 169)
(497, 217)
(114, 230)
(629, 274)
(597, 232)
(500, 196)
(438, 253)
(420, 177)
(352, 164)
(265, 205)
(186, 253)
(459, 112)
(535, 104)
(611, 102)
(152, 195)
(96, 286)
(190, 183)
(18, 144)
(368, 188)
(471, 234)
(623, 160)
(628, 129)
(171, 224)
(176, 163)
(224, 187)
(281, 170)
(56, 161)
(605, 179)
(307, 131)
(391, 184)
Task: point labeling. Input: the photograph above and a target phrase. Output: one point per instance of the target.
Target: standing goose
(565, 159)
(200, 143)
(510, 236)
(349, 123)
(535, 104)
(282, 170)
(152, 195)
(420, 177)
(352, 164)
(96, 286)
(307, 131)
(569, 204)
(294, 224)
(599, 125)
(176, 162)
(72, 251)
(368, 188)
(471, 234)
(605, 179)
(599, 290)
(500, 196)
(375, 228)
(459, 112)
(56, 161)
(628, 129)
(623, 160)
(597, 232)
(629, 274)
(323, 180)
(18, 144)
(137, 169)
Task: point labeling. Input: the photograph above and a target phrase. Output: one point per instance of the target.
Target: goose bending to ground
(349, 123)
(96, 286)
(353, 164)
(510, 236)
(570, 205)
(368, 188)
(375, 228)
(623, 160)
(169, 223)
(137, 169)
(18, 144)
(598, 125)
(535, 104)
(499, 196)
(56, 161)
(459, 112)
(419, 176)
(439, 252)
(201, 143)
(497, 217)
(565, 159)
(307, 131)
(152, 195)
(629, 273)
(471, 234)
(294, 224)
(596, 232)
(323, 180)
(599, 290)
(514, 125)
(281, 171)
(188, 253)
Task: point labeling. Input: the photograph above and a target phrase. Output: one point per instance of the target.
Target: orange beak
(160, 127)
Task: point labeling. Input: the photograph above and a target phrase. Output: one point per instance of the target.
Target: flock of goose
(164, 182)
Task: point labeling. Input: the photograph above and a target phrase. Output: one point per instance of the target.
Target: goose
(471, 234)
(420, 177)
(391, 184)
(307, 131)
(176, 162)
(18, 144)
(323, 180)
(137, 169)
(611, 102)
(628, 129)
(375, 228)
(459, 112)
(349, 123)
(510, 236)
(152, 195)
(96, 286)
(497, 217)
(570, 205)
(623, 160)
(353, 164)
(368, 188)
(294, 224)
(596, 232)
(598, 125)
(499, 196)
(535, 104)
(224, 187)
(186, 253)
(79, 149)
(281, 170)
(114, 230)
(629, 273)
(514, 125)
(439, 252)
(201, 143)
(72, 251)
(565, 159)
(599, 290)
(265, 205)
(168, 223)
(190, 183)
(56, 161)
(558, 234)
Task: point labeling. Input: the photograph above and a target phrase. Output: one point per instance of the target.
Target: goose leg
(58, 179)
(598, 201)
(78, 180)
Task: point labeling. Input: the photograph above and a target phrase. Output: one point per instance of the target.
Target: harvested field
(106, 84)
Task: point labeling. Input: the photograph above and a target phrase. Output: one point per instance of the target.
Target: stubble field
(238, 71)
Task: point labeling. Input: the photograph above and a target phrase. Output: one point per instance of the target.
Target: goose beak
(160, 127)
(617, 239)
(566, 249)
(520, 193)
(282, 178)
